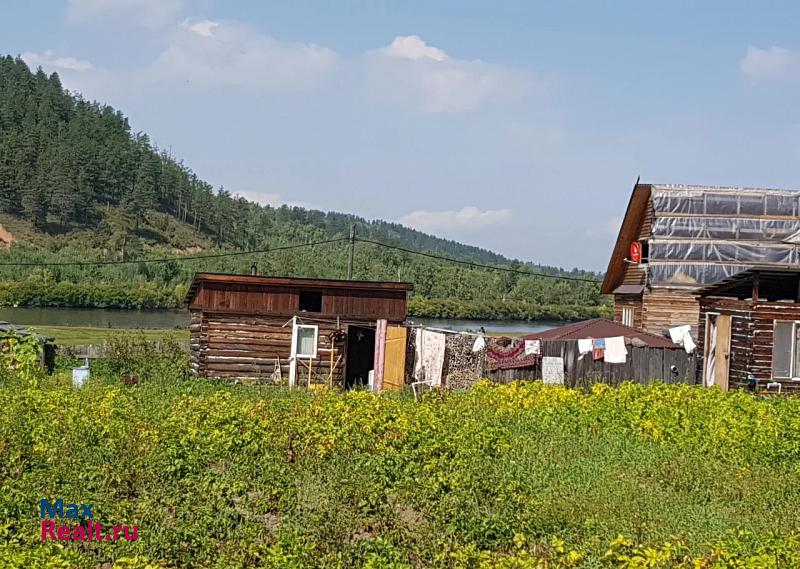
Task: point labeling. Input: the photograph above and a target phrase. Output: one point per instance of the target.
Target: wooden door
(723, 351)
(394, 361)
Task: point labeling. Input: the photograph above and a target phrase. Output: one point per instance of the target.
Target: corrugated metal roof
(602, 328)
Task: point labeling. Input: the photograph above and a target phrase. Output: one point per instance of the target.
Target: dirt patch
(187, 250)
(409, 516)
(6, 237)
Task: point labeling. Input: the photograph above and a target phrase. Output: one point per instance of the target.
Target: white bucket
(80, 375)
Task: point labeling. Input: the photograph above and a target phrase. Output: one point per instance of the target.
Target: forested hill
(77, 182)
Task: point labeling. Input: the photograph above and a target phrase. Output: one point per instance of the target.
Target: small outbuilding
(750, 329)
(298, 331)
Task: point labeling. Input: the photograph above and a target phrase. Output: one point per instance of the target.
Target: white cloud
(49, 61)
(411, 72)
(467, 218)
(151, 13)
(773, 63)
(230, 54)
(272, 199)
(414, 48)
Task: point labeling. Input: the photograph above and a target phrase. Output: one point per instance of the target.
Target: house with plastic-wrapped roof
(676, 240)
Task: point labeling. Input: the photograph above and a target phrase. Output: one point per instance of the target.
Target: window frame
(628, 310)
(794, 374)
(296, 336)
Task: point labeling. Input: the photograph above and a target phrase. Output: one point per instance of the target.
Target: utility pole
(350, 250)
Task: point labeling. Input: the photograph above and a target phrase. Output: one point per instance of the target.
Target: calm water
(96, 317)
(102, 318)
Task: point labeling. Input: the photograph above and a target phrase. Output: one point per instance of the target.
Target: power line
(170, 259)
(478, 265)
(297, 246)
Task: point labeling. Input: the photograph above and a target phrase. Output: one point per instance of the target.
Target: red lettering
(79, 533)
(63, 533)
(97, 529)
(117, 529)
(48, 527)
(134, 534)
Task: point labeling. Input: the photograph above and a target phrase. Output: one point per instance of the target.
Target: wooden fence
(643, 365)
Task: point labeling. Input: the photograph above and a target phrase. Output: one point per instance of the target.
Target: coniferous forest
(78, 184)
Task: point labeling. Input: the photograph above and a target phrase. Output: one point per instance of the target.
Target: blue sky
(517, 126)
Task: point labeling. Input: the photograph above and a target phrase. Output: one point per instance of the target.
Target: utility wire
(169, 259)
(297, 246)
(479, 265)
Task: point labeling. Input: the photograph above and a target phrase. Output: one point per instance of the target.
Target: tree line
(77, 183)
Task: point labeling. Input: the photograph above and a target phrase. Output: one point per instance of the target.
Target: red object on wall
(636, 252)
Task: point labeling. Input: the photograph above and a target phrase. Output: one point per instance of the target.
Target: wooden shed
(675, 239)
(750, 326)
(296, 331)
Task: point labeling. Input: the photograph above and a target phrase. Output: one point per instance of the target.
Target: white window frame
(794, 374)
(295, 333)
(627, 316)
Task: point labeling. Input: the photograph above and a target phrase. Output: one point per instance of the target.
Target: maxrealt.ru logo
(92, 531)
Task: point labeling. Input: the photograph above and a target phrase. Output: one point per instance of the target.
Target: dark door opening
(360, 356)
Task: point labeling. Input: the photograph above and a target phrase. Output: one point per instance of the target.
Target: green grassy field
(79, 336)
(519, 476)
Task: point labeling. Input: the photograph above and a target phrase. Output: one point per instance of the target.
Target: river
(106, 318)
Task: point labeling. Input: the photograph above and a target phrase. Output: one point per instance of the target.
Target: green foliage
(515, 476)
(21, 354)
(135, 353)
(76, 184)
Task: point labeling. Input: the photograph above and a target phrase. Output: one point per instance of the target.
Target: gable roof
(698, 235)
(602, 328)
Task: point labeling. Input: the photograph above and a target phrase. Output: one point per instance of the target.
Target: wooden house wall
(741, 355)
(285, 301)
(228, 346)
(752, 331)
(764, 316)
(628, 301)
(663, 309)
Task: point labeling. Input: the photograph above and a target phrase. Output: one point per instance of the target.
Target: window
(310, 301)
(785, 352)
(304, 341)
(627, 315)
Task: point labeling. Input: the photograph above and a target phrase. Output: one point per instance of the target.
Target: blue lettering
(52, 511)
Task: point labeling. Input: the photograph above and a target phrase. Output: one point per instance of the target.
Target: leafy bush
(514, 476)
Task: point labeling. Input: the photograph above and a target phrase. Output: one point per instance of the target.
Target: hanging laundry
(479, 345)
(616, 352)
(430, 357)
(508, 353)
(584, 347)
(533, 347)
(682, 335)
(598, 348)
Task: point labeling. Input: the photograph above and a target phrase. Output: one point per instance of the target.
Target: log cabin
(296, 331)
(674, 240)
(750, 326)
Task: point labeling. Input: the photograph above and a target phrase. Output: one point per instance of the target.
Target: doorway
(717, 351)
(360, 356)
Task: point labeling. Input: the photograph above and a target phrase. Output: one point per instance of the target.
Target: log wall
(752, 330)
(628, 301)
(663, 309)
(236, 346)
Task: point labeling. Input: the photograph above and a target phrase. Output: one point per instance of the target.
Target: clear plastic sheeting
(724, 252)
(706, 201)
(699, 236)
(776, 230)
(690, 274)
